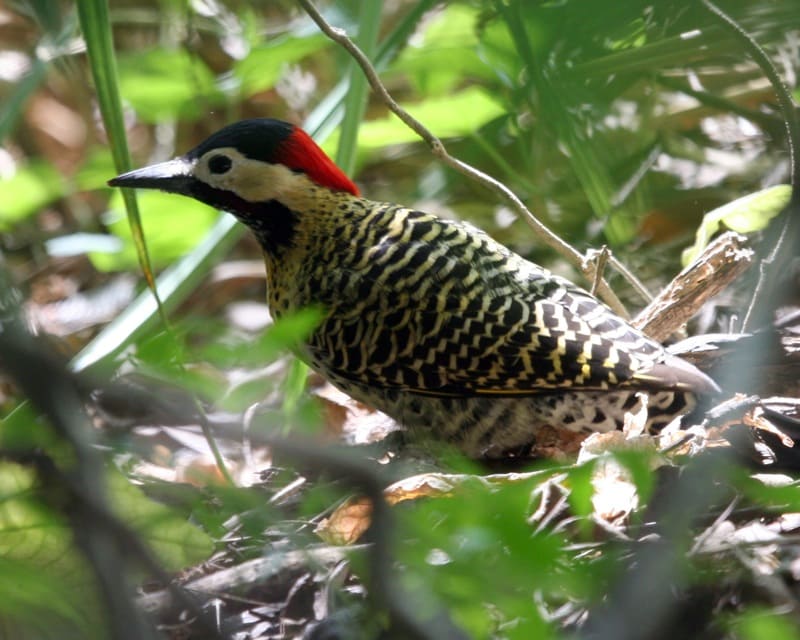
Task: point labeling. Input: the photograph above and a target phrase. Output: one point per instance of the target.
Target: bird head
(244, 164)
(258, 170)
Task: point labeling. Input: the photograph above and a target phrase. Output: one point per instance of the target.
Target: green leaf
(639, 465)
(46, 577)
(95, 170)
(446, 54)
(786, 498)
(287, 333)
(291, 330)
(33, 604)
(96, 28)
(457, 550)
(27, 530)
(744, 215)
(294, 386)
(24, 430)
(177, 281)
(582, 490)
(473, 105)
(496, 48)
(758, 624)
(173, 227)
(262, 68)
(177, 543)
(163, 85)
(28, 191)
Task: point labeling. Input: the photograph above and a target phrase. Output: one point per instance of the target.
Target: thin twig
(232, 579)
(701, 540)
(631, 277)
(586, 267)
(602, 257)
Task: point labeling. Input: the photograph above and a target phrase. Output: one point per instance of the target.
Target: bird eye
(219, 164)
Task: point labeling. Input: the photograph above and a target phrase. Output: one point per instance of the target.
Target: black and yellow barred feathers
(443, 328)
(430, 320)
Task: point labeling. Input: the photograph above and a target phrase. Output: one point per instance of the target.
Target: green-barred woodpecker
(431, 321)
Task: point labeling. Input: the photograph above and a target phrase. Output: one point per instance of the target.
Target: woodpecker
(429, 320)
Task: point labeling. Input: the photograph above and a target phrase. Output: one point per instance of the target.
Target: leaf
(176, 542)
(446, 54)
(347, 523)
(95, 25)
(36, 543)
(291, 330)
(744, 215)
(32, 604)
(286, 333)
(163, 85)
(262, 68)
(173, 227)
(28, 191)
(141, 317)
(473, 105)
(640, 465)
(582, 491)
(760, 624)
(48, 582)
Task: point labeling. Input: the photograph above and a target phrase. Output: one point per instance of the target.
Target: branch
(586, 267)
(722, 262)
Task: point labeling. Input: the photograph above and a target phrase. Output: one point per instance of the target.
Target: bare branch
(724, 260)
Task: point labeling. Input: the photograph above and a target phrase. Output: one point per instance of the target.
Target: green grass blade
(355, 100)
(96, 28)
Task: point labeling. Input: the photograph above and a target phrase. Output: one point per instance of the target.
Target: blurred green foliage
(169, 236)
(36, 543)
(164, 85)
(28, 191)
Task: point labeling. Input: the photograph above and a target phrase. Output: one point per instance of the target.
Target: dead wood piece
(724, 260)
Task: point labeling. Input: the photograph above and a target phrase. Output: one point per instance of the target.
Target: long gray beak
(174, 176)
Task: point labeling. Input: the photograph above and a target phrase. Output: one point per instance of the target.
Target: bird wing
(459, 314)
